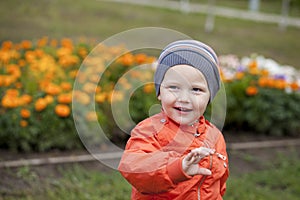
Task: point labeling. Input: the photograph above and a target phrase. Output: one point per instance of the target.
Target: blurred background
(44, 42)
(101, 19)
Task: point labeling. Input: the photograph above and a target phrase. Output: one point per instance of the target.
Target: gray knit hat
(193, 53)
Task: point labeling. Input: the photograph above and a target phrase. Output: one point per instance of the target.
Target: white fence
(283, 20)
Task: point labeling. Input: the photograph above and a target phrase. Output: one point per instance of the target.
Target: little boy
(177, 154)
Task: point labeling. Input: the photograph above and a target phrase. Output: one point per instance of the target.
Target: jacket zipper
(220, 156)
(203, 178)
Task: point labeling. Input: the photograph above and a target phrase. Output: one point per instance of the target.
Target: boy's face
(184, 94)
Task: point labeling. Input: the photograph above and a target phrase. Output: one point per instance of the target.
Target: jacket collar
(198, 127)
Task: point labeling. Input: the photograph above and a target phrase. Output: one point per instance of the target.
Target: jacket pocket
(219, 165)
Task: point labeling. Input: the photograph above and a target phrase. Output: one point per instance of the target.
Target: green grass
(75, 183)
(79, 183)
(99, 20)
(279, 180)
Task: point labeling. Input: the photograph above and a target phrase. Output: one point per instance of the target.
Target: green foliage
(44, 131)
(141, 104)
(123, 93)
(271, 111)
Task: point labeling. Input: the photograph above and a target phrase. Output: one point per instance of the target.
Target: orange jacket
(152, 160)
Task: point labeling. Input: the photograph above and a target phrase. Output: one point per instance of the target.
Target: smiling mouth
(182, 109)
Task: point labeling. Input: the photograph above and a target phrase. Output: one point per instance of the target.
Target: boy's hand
(190, 163)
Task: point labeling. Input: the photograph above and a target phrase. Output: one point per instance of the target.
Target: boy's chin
(186, 122)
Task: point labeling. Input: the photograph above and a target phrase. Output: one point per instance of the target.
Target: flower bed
(262, 96)
(36, 90)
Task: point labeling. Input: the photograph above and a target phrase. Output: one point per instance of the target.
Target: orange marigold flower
(52, 89)
(140, 58)
(25, 113)
(26, 99)
(254, 71)
(66, 86)
(127, 59)
(294, 86)
(124, 83)
(14, 70)
(239, 75)
(18, 85)
(10, 101)
(30, 56)
(94, 78)
(39, 53)
(21, 62)
(65, 98)
(82, 97)
(150, 59)
(68, 60)
(280, 84)
(116, 96)
(82, 52)
(91, 116)
(100, 97)
(67, 43)
(26, 44)
(7, 80)
(23, 123)
(270, 82)
(42, 42)
(89, 87)
(263, 81)
(40, 104)
(98, 89)
(73, 73)
(53, 43)
(12, 92)
(4, 56)
(264, 72)
(6, 45)
(149, 88)
(251, 90)
(49, 99)
(62, 110)
(253, 64)
(63, 52)
(136, 74)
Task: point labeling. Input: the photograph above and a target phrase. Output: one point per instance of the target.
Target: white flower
(230, 64)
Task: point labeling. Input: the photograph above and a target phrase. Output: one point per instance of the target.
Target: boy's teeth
(182, 109)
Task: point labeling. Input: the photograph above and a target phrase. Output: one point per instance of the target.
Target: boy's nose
(183, 96)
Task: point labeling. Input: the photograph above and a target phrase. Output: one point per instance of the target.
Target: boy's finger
(203, 151)
(204, 171)
(189, 156)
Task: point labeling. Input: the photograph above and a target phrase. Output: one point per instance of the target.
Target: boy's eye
(173, 87)
(197, 90)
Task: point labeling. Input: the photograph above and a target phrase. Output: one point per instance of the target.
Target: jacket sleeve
(147, 167)
(221, 147)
